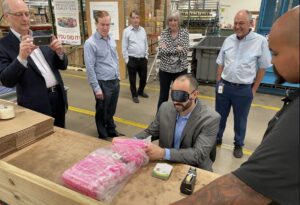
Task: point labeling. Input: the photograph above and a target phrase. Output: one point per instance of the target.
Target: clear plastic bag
(104, 172)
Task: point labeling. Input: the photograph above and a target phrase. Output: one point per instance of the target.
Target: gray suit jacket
(198, 136)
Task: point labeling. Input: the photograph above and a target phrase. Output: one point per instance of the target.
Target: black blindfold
(180, 95)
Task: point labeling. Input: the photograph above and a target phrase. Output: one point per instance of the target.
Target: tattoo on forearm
(227, 189)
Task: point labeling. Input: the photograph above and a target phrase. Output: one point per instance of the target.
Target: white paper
(67, 21)
(113, 10)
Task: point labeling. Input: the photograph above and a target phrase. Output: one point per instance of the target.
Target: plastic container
(206, 53)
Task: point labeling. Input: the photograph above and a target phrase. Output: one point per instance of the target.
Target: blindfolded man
(186, 128)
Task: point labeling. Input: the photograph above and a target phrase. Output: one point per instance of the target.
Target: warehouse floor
(131, 118)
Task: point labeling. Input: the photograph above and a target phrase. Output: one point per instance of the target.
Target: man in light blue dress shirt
(135, 54)
(101, 60)
(242, 61)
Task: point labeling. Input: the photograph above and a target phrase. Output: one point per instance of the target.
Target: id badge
(220, 88)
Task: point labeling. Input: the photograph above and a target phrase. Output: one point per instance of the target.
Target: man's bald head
(287, 26)
(284, 45)
(7, 5)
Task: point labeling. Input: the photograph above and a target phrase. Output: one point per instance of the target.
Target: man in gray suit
(186, 128)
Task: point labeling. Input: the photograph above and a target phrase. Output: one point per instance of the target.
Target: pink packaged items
(103, 173)
(131, 150)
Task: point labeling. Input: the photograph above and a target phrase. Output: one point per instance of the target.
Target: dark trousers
(57, 107)
(165, 80)
(134, 66)
(106, 108)
(239, 97)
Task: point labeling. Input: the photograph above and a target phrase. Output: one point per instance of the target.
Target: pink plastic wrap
(131, 150)
(105, 171)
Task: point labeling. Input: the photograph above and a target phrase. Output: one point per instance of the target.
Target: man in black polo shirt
(271, 175)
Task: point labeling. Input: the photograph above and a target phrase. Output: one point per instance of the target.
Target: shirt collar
(249, 36)
(132, 28)
(99, 36)
(19, 35)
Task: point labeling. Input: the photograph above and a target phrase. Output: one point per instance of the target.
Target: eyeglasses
(20, 14)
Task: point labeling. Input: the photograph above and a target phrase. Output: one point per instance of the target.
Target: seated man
(186, 128)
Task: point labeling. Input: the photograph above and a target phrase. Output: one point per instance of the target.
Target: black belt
(233, 84)
(107, 81)
(53, 89)
(134, 58)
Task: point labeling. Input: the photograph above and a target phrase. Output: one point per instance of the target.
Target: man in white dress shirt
(135, 54)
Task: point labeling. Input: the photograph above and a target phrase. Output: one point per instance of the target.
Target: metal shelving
(199, 16)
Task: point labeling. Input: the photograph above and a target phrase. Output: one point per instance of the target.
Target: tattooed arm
(227, 189)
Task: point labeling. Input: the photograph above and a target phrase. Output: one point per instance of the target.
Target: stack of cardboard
(75, 55)
(147, 15)
(152, 16)
(132, 5)
(25, 128)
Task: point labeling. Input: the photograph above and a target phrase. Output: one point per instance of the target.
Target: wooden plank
(18, 187)
(147, 190)
(51, 156)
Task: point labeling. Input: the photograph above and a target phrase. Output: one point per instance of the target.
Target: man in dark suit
(32, 69)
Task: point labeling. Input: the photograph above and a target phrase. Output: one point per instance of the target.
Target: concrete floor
(131, 118)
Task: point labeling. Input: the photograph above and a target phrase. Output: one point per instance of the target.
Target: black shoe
(135, 99)
(144, 95)
(238, 151)
(115, 134)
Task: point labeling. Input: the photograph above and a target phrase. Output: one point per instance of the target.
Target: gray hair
(175, 14)
(5, 6)
(248, 13)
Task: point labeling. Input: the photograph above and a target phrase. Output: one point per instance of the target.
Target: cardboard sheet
(25, 128)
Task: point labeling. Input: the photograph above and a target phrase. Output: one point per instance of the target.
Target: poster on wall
(112, 9)
(67, 21)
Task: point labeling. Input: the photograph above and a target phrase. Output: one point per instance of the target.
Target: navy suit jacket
(30, 84)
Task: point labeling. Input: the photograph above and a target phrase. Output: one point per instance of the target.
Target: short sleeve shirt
(273, 169)
(242, 58)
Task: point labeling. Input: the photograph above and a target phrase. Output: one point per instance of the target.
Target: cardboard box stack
(152, 14)
(129, 6)
(75, 55)
(147, 15)
(25, 128)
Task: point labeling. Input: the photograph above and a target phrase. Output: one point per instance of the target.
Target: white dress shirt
(40, 61)
(241, 59)
(134, 43)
